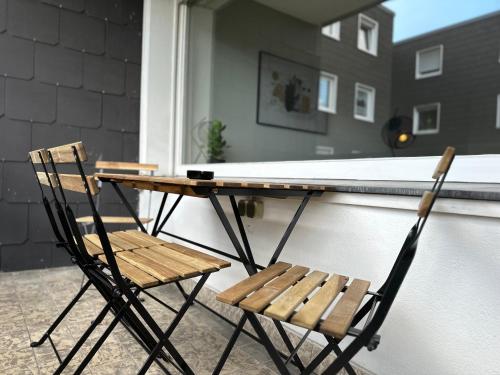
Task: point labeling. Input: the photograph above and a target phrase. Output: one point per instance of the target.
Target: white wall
(445, 319)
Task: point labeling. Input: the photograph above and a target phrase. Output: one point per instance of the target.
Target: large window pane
(260, 72)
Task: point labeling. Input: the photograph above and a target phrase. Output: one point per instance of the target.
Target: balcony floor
(30, 301)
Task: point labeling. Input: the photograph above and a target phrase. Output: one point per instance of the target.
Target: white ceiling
(319, 12)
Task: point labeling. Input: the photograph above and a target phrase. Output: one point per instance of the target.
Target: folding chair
(101, 165)
(88, 221)
(291, 294)
(136, 261)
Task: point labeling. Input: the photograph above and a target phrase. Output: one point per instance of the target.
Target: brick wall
(69, 70)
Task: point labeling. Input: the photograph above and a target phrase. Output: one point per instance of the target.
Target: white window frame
(370, 117)
(374, 45)
(162, 125)
(332, 95)
(498, 112)
(332, 30)
(419, 75)
(416, 118)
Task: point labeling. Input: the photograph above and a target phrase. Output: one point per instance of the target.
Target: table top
(182, 185)
(196, 187)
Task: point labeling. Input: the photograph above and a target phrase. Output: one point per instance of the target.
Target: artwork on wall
(287, 95)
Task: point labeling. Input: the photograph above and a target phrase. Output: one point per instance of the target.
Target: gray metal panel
(15, 139)
(40, 229)
(130, 147)
(79, 107)
(44, 135)
(3, 15)
(33, 20)
(82, 33)
(104, 75)
(120, 113)
(27, 255)
(13, 223)
(133, 80)
(124, 43)
(58, 65)
(102, 144)
(76, 5)
(2, 96)
(30, 100)
(31, 92)
(107, 10)
(18, 184)
(1, 181)
(16, 57)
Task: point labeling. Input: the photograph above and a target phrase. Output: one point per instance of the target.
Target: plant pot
(215, 160)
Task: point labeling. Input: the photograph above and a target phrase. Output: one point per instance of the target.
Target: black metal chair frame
(243, 248)
(375, 309)
(119, 293)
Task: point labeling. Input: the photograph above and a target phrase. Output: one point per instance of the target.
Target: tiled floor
(30, 300)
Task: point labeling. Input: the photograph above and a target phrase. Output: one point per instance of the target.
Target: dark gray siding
(66, 73)
(467, 89)
(244, 28)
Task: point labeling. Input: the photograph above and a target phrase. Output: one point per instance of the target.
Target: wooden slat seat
(133, 273)
(163, 261)
(295, 295)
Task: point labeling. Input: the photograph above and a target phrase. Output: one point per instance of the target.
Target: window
(332, 30)
(498, 111)
(364, 102)
(426, 118)
(327, 97)
(429, 62)
(367, 34)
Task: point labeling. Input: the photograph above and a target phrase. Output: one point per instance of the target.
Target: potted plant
(216, 142)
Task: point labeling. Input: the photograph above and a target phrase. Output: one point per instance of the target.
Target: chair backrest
(74, 154)
(390, 288)
(125, 166)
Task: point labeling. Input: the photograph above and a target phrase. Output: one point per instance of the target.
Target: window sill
(469, 168)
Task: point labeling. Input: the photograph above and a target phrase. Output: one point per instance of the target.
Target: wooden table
(212, 190)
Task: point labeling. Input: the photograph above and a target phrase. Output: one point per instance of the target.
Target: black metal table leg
(160, 211)
(170, 212)
(241, 228)
(128, 206)
(251, 269)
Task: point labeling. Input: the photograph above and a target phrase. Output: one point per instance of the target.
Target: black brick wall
(69, 70)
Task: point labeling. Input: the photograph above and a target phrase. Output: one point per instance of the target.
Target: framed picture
(287, 95)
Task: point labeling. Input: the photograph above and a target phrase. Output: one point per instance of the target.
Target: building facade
(448, 82)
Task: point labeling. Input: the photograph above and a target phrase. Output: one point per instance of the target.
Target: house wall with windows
(243, 29)
(466, 88)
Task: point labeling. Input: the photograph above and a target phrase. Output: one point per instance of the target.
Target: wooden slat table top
(155, 182)
(455, 190)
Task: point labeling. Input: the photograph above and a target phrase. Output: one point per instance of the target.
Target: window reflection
(291, 88)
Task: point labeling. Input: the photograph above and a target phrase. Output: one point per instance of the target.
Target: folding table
(212, 190)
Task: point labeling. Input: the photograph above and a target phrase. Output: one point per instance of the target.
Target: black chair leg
(230, 345)
(83, 338)
(103, 338)
(174, 323)
(61, 316)
(273, 353)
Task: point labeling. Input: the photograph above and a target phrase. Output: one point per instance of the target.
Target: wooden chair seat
(293, 294)
(112, 220)
(149, 261)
